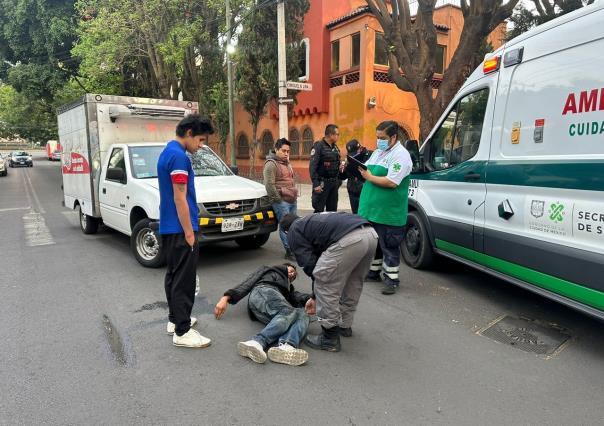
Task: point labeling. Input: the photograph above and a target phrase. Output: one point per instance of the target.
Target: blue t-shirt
(174, 166)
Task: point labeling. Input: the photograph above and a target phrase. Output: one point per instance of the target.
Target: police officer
(355, 181)
(324, 170)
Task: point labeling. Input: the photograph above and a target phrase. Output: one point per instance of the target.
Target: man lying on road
(274, 302)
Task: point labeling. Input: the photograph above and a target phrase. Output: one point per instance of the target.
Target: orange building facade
(346, 63)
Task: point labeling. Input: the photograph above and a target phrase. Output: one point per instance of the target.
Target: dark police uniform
(324, 170)
(355, 181)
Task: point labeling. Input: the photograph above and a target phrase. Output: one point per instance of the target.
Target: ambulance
(511, 179)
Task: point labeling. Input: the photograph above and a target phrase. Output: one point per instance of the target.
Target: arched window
(307, 140)
(267, 142)
(294, 139)
(243, 146)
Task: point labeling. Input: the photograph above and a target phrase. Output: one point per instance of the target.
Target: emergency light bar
(491, 65)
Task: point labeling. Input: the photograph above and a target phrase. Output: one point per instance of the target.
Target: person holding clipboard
(357, 156)
(384, 202)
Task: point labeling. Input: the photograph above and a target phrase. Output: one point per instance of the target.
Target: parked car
(20, 158)
(3, 168)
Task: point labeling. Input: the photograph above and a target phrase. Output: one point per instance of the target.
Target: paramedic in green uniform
(384, 202)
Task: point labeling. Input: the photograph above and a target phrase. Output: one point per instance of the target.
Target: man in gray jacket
(335, 250)
(280, 185)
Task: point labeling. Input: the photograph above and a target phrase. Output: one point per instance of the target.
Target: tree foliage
(524, 19)
(412, 48)
(257, 61)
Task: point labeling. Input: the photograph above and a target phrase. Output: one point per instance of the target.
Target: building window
(307, 142)
(355, 60)
(267, 142)
(294, 139)
(440, 59)
(243, 146)
(381, 50)
(304, 63)
(335, 56)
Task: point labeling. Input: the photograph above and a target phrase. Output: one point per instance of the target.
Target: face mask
(382, 144)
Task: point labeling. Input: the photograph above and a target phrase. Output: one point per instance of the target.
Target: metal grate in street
(527, 335)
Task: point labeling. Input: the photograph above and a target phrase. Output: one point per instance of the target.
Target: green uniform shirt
(387, 206)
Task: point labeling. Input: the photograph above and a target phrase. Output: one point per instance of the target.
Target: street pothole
(527, 335)
(117, 346)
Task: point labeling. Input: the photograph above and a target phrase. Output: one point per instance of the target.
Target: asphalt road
(83, 340)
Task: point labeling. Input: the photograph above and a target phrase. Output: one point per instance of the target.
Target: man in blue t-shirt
(178, 226)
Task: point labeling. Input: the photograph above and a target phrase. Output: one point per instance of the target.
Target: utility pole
(282, 69)
(230, 86)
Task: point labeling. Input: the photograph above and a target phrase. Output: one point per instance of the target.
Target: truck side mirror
(235, 170)
(116, 174)
(412, 147)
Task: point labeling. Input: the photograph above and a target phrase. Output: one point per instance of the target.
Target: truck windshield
(205, 162)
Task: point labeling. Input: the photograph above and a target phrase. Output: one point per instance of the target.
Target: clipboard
(356, 162)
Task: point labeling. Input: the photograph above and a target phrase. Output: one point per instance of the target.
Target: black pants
(328, 199)
(181, 274)
(354, 201)
(387, 257)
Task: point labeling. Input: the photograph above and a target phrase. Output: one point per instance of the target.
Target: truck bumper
(262, 222)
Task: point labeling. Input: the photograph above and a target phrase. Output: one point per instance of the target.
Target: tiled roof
(362, 11)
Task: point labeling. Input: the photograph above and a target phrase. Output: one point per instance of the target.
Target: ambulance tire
(145, 243)
(253, 241)
(416, 247)
(88, 224)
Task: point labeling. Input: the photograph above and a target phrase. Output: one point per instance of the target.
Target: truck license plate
(232, 224)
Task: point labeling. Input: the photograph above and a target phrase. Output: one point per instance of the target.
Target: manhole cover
(527, 335)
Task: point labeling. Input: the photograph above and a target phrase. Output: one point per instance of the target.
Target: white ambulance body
(511, 179)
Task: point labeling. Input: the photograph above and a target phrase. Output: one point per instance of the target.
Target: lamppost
(230, 50)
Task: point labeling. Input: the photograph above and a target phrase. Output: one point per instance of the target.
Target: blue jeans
(284, 323)
(281, 209)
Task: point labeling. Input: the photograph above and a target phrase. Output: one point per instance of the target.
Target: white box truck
(110, 149)
(511, 179)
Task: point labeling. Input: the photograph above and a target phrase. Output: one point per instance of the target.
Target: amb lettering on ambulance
(587, 103)
(511, 179)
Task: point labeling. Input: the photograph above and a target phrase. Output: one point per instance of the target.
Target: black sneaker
(388, 289)
(376, 278)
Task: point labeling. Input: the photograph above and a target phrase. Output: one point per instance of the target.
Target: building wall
(343, 97)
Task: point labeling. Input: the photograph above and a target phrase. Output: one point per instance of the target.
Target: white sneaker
(191, 339)
(252, 350)
(171, 328)
(287, 354)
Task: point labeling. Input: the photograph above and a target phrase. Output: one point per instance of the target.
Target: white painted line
(33, 191)
(36, 231)
(12, 209)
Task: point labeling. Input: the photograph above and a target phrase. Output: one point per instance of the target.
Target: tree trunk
(253, 146)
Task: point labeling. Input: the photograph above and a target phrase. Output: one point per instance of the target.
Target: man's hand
(221, 307)
(318, 189)
(365, 173)
(190, 238)
(310, 307)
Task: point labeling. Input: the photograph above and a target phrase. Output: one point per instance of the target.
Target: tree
(412, 48)
(524, 19)
(257, 82)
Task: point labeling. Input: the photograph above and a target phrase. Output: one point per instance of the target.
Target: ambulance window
(458, 138)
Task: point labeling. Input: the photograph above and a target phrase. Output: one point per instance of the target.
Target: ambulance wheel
(416, 247)
(146, 246)
(253, 241)
(88, 224)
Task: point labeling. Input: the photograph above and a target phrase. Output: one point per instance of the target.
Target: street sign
(296, 85)
(284, 101)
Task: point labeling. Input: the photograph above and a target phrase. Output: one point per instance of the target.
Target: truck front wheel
(146, 246)
(416, 247)
(253, 241)
(88, 224)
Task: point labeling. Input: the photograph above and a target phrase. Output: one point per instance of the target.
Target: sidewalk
(305, 194)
